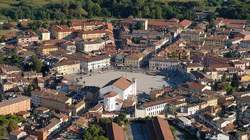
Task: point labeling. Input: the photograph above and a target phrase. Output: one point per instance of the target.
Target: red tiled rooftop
(185, 23)
(110, 94)
(161, 129)
(122, 83)
(115, 132)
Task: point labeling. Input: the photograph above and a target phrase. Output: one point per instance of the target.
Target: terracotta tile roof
(94, 32)
(217, 37)
(53, 123)
(115, 132)
(94, 58)
(9, 68)
(31, 137)
(48, 47)
(163, 23)
(13, 101)
(195, 85)
(122, 83)
(185, 23)
(214, 66)
(194, 65)
(15, 132)
(135, 56)
(110, 94)
(96, 108)
(77, 22)
(51, 42)
(228, 21)
(164, 59)
(160, 129)
(229, 128)
(128, 103)
(58, 28)
(162, 101)
(67, 62)
(43, 30)
(51, 95)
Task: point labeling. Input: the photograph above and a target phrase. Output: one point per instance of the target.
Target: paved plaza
(144, 82)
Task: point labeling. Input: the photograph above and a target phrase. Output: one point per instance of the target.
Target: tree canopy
(70, 9)
(93, 132)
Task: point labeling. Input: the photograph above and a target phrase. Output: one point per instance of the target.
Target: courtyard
(144, 82)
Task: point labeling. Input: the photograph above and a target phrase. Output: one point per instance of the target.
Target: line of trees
(101, 8)
(236, 9)
(70, 9)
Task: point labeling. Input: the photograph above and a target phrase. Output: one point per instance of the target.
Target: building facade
(15, 105)
(67, 67)
(160, 63)
(95, 64)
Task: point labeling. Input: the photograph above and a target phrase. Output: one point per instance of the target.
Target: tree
(2, 38)
(36, 63)
(45, 69)
(229, 89)
(94, 132)
(136, 40)
(232, 54)
(139, 25)
(100, 138)
(35, 25)
(215, 86)
(248, 87)
(12, 126)
(87, 135)
(105, 121)
(119, 8)
(224, 78)
(45, 24)
(146, 12)
(1, 97)
(121, 119)
(97, 9)
(13, 59)
(210, 17)
(158, 12)
(235, 81)
(28, 90)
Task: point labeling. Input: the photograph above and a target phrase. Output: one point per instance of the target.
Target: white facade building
(95, 64)
(190, 109)
(155, 110)
(157, 107)
(160, 63)
(67, 67)
(116, 91)
(112, 101)
(45, 36)
(93, 45)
